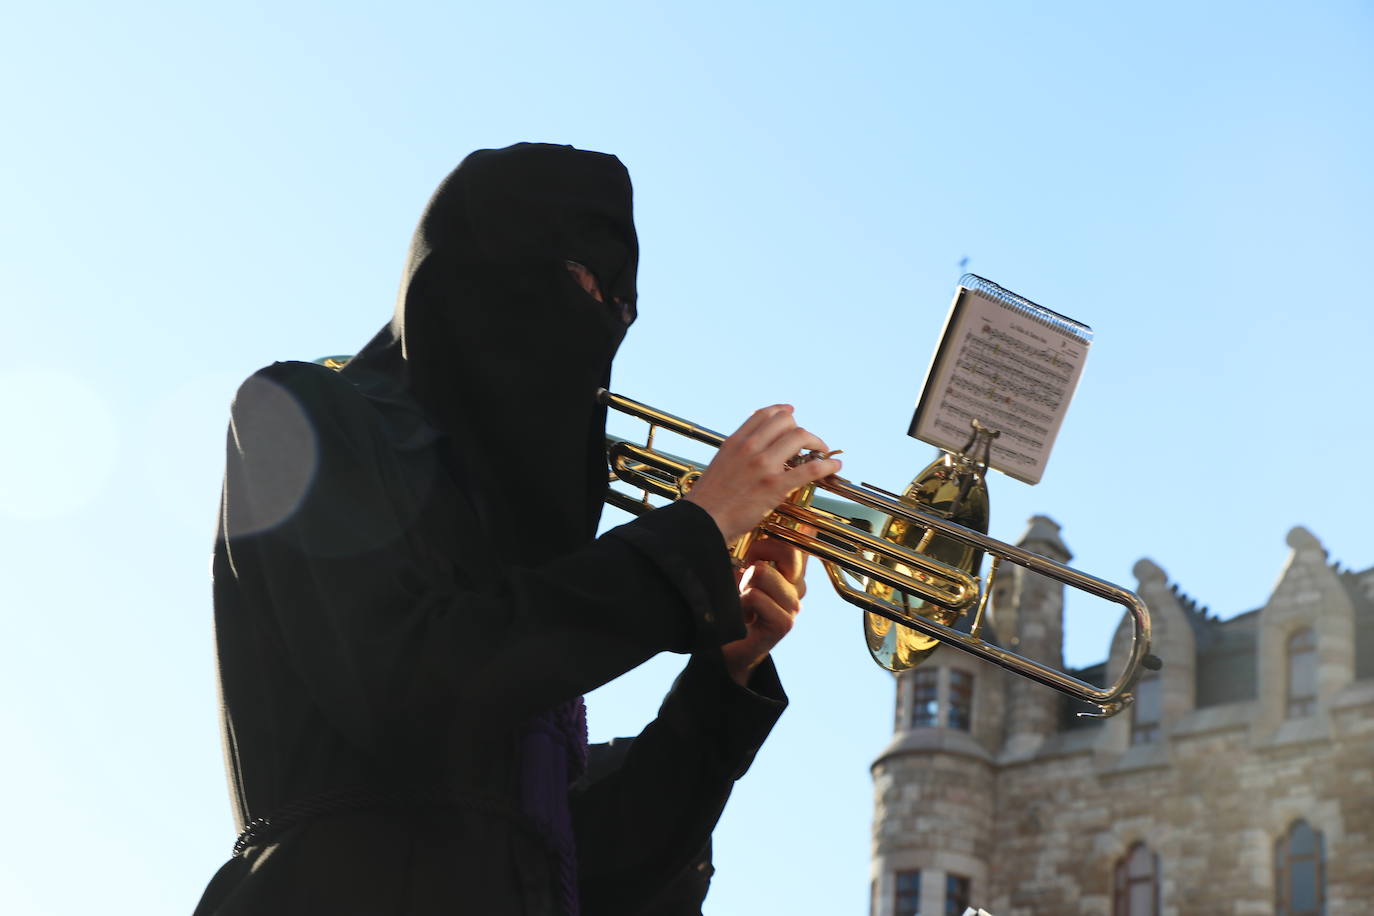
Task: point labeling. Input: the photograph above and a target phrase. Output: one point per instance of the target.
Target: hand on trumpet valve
(757, 467)
(771, 586)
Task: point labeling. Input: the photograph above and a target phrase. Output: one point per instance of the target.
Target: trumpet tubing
(900, 582)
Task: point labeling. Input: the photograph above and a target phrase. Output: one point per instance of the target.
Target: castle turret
(1028, 615)
(934, 784)
(933, 793)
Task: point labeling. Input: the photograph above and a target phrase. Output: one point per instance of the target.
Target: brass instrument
(920, 575)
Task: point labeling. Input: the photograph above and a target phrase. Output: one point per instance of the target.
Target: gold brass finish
(921, 574)
(953, 488)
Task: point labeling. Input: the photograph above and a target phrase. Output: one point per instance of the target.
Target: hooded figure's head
(500, 344)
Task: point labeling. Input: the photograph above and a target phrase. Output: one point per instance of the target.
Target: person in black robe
(410, 597)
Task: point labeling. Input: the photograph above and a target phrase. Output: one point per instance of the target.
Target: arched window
(1136, 891)
(1300, 872)
(1302, 673)
(1145, 711)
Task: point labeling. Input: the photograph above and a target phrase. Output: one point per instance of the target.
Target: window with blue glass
(925, 696)
(956, 895)
(960, 700)
(906, 899)
(1300, 872)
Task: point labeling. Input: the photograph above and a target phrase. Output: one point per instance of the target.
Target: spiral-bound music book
(1008, 363)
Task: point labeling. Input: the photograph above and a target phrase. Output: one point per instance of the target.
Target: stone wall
(1039, 818)
(1210, 801)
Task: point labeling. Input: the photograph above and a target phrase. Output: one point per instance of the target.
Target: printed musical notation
(1008, 363)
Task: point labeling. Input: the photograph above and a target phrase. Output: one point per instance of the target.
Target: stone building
(1241, 781)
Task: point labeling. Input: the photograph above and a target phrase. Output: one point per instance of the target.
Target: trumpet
(919, 577)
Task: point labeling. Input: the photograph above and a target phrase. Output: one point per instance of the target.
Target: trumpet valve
(813, 455)
(686, 481)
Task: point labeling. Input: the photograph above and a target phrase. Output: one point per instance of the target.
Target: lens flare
(280, 453)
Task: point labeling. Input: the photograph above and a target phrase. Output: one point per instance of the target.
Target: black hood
(501, 347)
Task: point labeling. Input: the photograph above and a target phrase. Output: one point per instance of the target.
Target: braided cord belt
(345, 801)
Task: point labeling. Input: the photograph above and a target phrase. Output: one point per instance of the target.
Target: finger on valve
(786, 559)
(769, 583)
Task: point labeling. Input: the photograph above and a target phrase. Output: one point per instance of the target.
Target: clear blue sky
(190, 191)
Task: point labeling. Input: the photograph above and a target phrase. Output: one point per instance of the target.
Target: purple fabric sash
(553, 756)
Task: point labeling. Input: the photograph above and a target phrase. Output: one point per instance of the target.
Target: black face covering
(503, 348)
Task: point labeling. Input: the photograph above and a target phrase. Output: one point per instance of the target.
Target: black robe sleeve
(391, 633)
(642, 825)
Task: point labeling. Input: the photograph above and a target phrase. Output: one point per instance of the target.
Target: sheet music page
(1009, 363)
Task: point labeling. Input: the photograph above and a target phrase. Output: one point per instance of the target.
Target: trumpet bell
(955, 490)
